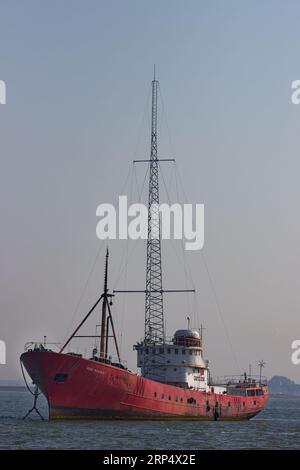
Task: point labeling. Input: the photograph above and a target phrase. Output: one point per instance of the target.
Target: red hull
(94, 390)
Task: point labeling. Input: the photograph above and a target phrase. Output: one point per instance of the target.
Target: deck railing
(243, 380)
(87, 354)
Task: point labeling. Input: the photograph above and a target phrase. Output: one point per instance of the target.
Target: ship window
(259, 392)
(181, 400)
(162, 395)
(176, 398)
(183, 351)
(229, 403)
(250, 393)
(254, 403)
(244, 404)
(169, 397)
(147, 350)
(176, 351)
(153, 351)
(192, 401)
(161, 350)
(60, 377)
(175, 369)
(155, 394)
(169, 351)
(191, 352)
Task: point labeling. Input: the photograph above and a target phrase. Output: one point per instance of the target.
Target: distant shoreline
(283, 395)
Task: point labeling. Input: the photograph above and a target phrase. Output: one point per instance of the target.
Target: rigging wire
(220, 312)
(183, 262)
(126, 252)
(214, 292)
(203, 258)
(90, 273)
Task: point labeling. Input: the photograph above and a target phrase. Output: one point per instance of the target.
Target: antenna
(154, 317)
(261, 365)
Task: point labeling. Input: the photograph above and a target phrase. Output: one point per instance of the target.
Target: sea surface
(277, 427)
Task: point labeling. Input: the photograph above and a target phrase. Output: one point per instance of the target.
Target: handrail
(37, 345)
(241, 379)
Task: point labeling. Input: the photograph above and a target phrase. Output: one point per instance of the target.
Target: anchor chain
(36, 394)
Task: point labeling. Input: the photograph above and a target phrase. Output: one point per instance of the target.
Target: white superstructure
(180, 359)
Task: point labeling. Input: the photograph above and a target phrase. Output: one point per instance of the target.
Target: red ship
(174, 380)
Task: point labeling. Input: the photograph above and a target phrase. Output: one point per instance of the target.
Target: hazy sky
(78, 75)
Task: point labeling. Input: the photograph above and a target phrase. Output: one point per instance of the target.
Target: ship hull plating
(78, 388)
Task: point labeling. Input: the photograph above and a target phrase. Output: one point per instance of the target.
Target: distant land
(279, 385)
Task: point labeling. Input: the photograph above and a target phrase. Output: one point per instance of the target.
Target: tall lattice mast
(154, 316)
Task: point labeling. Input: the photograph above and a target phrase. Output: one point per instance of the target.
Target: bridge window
(169, 351)
(175, 369)
(161, 350)
(147, 350)
(176, 351)
(259, 392)
(183, 351)
(153, 350)
(191, 352)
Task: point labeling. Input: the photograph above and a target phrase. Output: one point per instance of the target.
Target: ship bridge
(180, 357)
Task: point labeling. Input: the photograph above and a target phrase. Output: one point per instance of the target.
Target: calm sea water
(278, 427)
